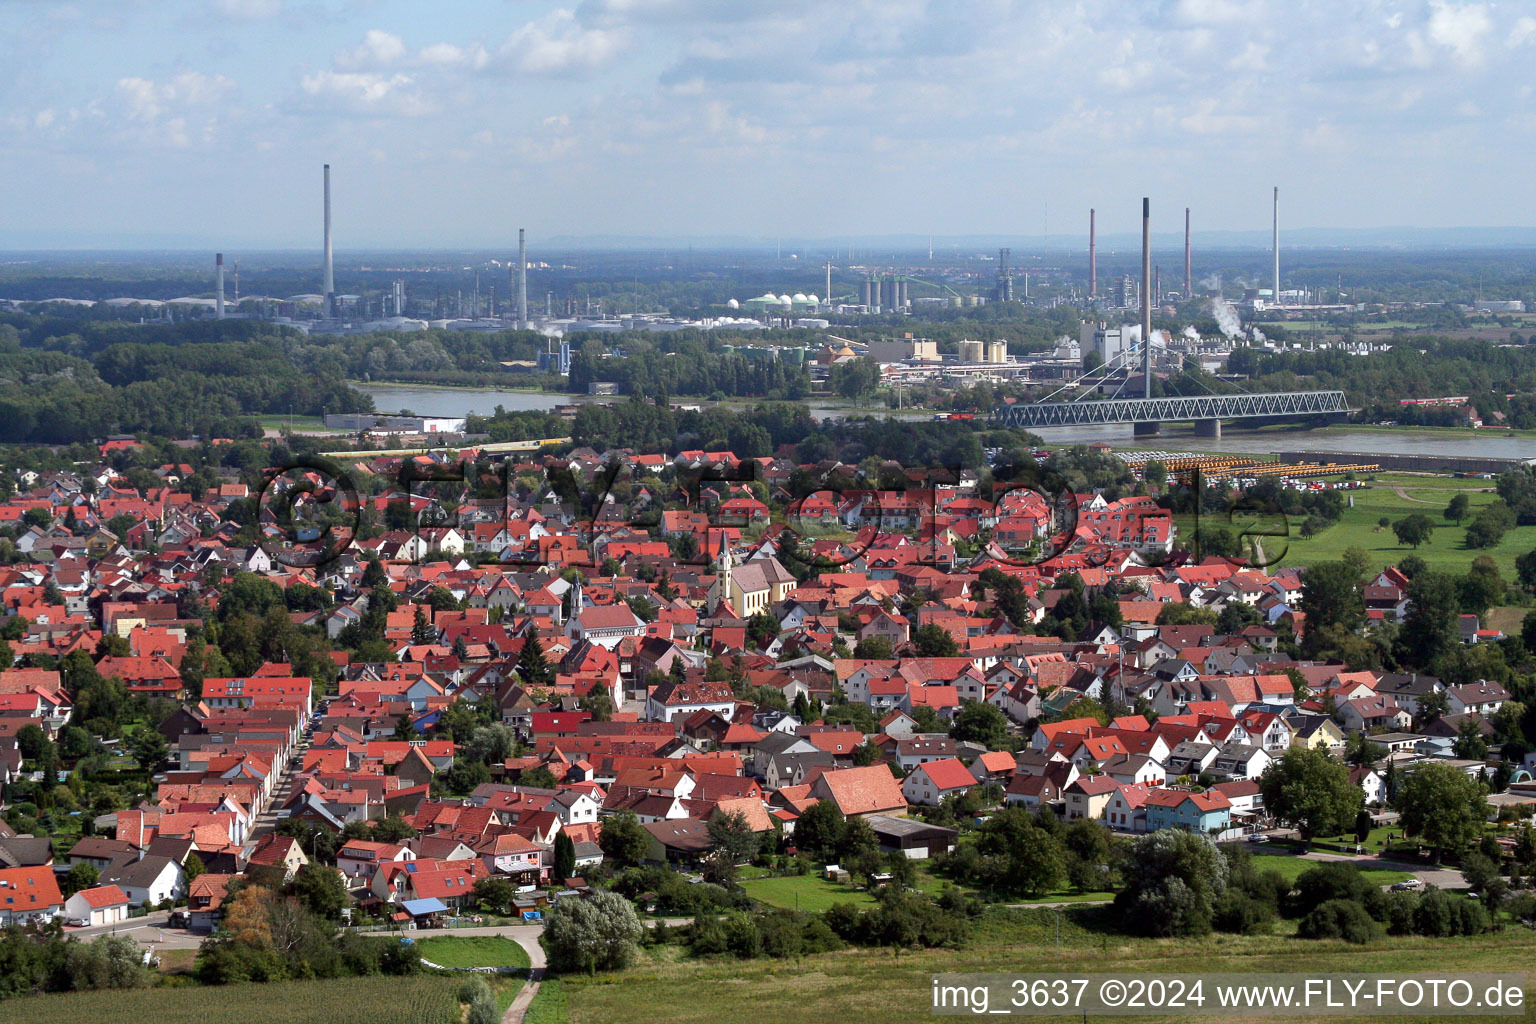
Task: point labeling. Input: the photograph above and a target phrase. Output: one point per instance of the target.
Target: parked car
(1258, 837)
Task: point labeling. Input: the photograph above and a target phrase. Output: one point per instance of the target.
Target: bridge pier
(1207, 428)
(1146, 429)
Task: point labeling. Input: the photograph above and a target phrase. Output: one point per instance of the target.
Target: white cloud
(451, 56)
(147, 99)
(1460, 29)
(369, 93)
(378, 47)
(1522, 32)
(558, 44)
(1214, 12)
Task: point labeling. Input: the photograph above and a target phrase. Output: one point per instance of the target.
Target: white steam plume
(1226, 318)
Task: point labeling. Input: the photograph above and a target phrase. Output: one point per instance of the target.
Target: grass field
(879, 985)
(1291, 867)
(426, 999)
(804, 892)
(549, 1006)
(472, 951)
(1446, 550)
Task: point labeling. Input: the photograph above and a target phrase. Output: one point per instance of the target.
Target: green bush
(1243, 914)
(471, 988)
(1338, 919)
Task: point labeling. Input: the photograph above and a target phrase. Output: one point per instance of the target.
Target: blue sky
(454, 123)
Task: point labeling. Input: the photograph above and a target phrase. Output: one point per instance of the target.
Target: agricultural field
(427, 999)
(879, 985)
(1446, 551)
(472, 951)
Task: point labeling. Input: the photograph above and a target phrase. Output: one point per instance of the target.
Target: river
(440, 401)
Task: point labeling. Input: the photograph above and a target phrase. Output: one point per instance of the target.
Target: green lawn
(425, 999)
(549, 1005)
(1445, 551)
(1292, 867)
(804, 892)
(472, 951)
(894, 988)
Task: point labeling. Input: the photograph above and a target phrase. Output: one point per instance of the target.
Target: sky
(452, 124)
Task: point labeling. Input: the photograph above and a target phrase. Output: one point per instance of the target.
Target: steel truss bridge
(1172, 410)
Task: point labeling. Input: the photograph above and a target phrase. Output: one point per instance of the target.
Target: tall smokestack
(218, 302)
(1093, 256)
(329, 270)
(826, 296)
(1189, 282)
(1146, 296)
(522, 279)
(1276, 296)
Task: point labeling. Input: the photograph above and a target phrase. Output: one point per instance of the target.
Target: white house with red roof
(928, 784)
(99, 905)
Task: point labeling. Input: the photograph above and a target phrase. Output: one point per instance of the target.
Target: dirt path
(529, 940)
(1403, 493)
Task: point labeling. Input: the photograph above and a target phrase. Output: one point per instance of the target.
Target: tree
(422, 631)
(1442, 807)
(731, 837)
(1173, 881)
(1429, 629)
(1456, 511)
(1470, 744)
(321, 890)
(1482, 587)
(598, 933)
(565, 857)
(1026, 858)
(1361, 752)
(495, 894)
(1431, 707)
(79, 876)
(1311, 792)
(934, 641)
(1331, 596)
(538, 777)
(623, 840)
(819, 831)
(31, 741)
(1525, 570)
(1481, 873)
(762, 629)
(1357, 558)
(1362, 825)
(877, 648)
(980, 722)
(106, 962)
(533, 666)
(149, 748)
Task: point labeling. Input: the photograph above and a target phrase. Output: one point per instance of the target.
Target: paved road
(267, 820)
(1444, 878)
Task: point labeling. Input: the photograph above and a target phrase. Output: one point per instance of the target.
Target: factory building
(904, 350)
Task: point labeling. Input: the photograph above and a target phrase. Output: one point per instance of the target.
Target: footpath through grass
(894, 988)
